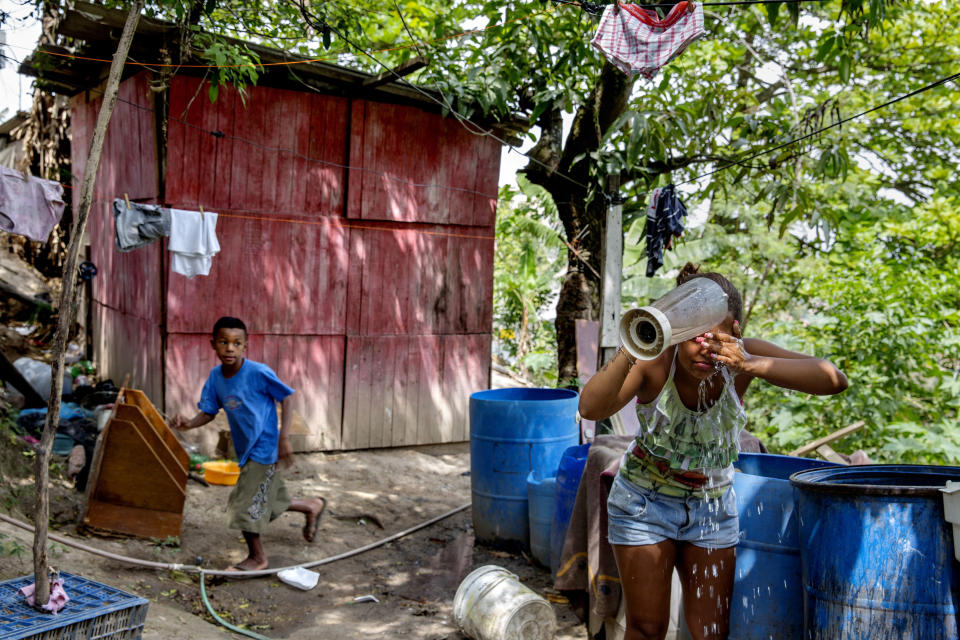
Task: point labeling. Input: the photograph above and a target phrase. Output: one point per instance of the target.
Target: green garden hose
(234, 628)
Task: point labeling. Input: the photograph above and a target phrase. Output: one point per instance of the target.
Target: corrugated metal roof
(98, 28)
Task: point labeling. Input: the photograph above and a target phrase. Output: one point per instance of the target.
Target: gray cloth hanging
(139, 224)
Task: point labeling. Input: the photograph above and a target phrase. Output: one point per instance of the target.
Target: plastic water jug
(491, 604)
(687, 311)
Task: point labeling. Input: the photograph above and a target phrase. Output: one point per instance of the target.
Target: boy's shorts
(258, 498)
(638, 516)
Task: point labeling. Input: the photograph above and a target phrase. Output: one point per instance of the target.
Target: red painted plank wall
(312, 365)
(376, 310)
(127, 289)
(276, 178)
(407, 390)
(416, 166)
(421, 275)
(282, 153)
(420, 280)
(283, 244)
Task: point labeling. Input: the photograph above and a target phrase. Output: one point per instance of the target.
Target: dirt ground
(371, 495)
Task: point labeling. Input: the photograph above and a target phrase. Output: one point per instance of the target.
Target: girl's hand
(726, 349)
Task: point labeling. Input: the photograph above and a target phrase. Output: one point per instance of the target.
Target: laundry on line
(29, 206)
(638, 41)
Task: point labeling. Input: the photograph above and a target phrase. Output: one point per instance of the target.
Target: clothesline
(192, 235)
(234, 213)
(838, 123)
(731, 163)
(402, 181)
(737, 162)
(331, 57)
(596, 8)
(323, 221)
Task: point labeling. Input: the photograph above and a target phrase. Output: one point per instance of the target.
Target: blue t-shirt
(249, 399)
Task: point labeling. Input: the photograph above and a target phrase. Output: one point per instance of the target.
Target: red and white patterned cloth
(636, 40)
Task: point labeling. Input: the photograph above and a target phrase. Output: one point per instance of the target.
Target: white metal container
(492, 604)
(685, 312)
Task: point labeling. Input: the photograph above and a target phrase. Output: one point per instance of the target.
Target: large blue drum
(541, 493)
(767, 596)
(569, 472)
(514, 432)
(876, 553)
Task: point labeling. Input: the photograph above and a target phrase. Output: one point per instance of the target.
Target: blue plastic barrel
(514, 432)
(876, 553)
(569, 472)
(767, 596)
(540, 496)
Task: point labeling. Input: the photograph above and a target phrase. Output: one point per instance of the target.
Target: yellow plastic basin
(221, 472)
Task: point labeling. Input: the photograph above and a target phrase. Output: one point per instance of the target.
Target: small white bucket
(492, 604)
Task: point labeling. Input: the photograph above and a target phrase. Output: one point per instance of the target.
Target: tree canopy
(844, 243)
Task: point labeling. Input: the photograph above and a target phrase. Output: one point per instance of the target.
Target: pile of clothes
(77, 428)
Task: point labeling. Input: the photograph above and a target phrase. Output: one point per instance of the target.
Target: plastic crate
(95, 611)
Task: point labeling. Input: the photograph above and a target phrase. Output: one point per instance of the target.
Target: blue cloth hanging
(664, 222)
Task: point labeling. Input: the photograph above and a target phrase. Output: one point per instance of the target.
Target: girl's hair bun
(734, 301)
(688, 271)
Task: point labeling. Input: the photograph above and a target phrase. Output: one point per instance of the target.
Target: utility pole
(612, 256)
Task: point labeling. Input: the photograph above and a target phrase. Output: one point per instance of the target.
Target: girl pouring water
(672, 502)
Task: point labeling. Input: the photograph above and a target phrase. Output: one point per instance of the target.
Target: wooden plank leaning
(138, 476)
(827, 439)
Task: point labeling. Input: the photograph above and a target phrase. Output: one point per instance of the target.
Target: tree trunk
(583, 222)
(68, 308)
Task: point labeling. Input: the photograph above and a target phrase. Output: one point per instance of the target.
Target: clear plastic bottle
(685, 312)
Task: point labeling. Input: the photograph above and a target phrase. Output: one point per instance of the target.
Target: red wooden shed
(356, 230)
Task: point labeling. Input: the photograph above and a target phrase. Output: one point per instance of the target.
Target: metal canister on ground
(492, 604)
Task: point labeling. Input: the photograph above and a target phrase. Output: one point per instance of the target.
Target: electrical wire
(220, 134)
(596, 8)
(833, 125)
(333, 56)
(318, 23)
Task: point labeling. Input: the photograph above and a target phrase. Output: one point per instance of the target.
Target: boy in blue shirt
(248, 392)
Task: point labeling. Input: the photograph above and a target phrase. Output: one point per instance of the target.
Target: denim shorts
(639, 516)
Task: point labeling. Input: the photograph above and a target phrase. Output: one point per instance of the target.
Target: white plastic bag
(299, 577)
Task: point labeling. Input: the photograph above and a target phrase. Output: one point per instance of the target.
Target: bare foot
(250, 564)
(317, 505)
